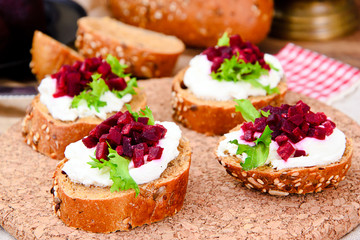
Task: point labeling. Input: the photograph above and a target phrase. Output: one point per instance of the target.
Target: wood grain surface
(216, 205)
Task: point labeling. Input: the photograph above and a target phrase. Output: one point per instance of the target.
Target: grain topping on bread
(286, 138)
(123, 156)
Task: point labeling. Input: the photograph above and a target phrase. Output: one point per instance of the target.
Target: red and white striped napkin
(316, 75)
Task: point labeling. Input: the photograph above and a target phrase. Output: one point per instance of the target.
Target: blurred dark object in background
(19, 19)
(314, 19)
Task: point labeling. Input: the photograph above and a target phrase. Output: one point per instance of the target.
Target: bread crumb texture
(216, 205)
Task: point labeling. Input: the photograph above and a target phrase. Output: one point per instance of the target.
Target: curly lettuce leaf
(119, 171)
(142, 113)
(247, 110)
(116, 67)
(256, 155)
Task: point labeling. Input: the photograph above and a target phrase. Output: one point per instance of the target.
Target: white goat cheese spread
(79, 171)
(319, 152)
(60, 108)
(198, 80)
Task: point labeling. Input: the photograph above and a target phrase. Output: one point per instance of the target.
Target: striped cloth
(316, 75)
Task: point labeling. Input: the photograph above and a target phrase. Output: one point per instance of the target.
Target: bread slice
(48, 55)
(51, 136)
(209, 116)
(148, 54)
(96, 209)
(300, 180)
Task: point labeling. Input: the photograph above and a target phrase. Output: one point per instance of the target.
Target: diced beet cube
(102, 151)
(153, 132)
(126, 130)
(90, 141)
(299, 153)
(248, 136)
(312, 118)
(235, 40)
(112, 121)
(136, 137)
(311, 132)
(142, 146)
(286, 150)
(305, 127)
(260, 124)
(137, 126)
(287, 126)
(273, 110)
(274, 121)
(154, 153)
(138, 157)
(296, 119)
(125, 119)
(119, 149)
(127, 148)
(328, 127)
(217, 61)
(282, 139)
(211, 52)
(103, 137)
(99, 130)
(322, 117)
(143, 120)
(304, 106)
(284, 108)
(114, 137)
(275, 133)
(104, 69)
(116, 84)
(320, 133)
(297, 135)
(74, 86)
(247, 126)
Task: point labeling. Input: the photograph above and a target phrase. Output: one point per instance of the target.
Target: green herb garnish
(128, 90)
(256, 155)
(119, 171)
(224, 40)
(142, 113)
(116, 67)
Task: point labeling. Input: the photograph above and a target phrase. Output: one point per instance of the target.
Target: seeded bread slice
(300, 180)
(96, 209)
(148, 54)
(209, 116)
(51, 136)
(48, 55)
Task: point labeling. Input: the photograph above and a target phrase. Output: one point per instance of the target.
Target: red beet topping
(246, 51)
(72, 80)
(129, 138)
(290, 124)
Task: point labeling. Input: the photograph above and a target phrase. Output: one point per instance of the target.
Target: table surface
(346, 49)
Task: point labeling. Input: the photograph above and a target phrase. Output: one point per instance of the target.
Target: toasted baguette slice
(48, 55)
(148, 54)
(209, 116)
(300, 180)
(51, 136)
(96, 209)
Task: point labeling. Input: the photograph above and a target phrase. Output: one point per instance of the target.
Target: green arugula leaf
(119, 171)
(142, 113)
(265, 114)
(224, 40)
(256, 155)
(116, 67)
(247, 110)
(98, 85)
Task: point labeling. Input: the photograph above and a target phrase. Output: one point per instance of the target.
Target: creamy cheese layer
(198, 80)
(60, 108)
(319, 152)
(79, 171)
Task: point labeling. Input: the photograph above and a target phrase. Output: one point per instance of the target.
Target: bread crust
(48, 55)
(50, 136)
(96, 209)
(132, 46)
(213, 117)
(300, 180)
(196, 22)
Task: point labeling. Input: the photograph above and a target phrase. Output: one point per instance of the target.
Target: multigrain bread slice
(48, 55)
(213, 117)
(96, 209)
(300, 180)
(147, 54)
(51, 136)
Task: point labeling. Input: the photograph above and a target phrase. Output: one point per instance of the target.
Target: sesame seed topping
(278, 193)
(244, 174)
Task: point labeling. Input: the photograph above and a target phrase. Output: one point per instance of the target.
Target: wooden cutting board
(216, 205)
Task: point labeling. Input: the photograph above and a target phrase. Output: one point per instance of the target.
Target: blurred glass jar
(314, 20)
